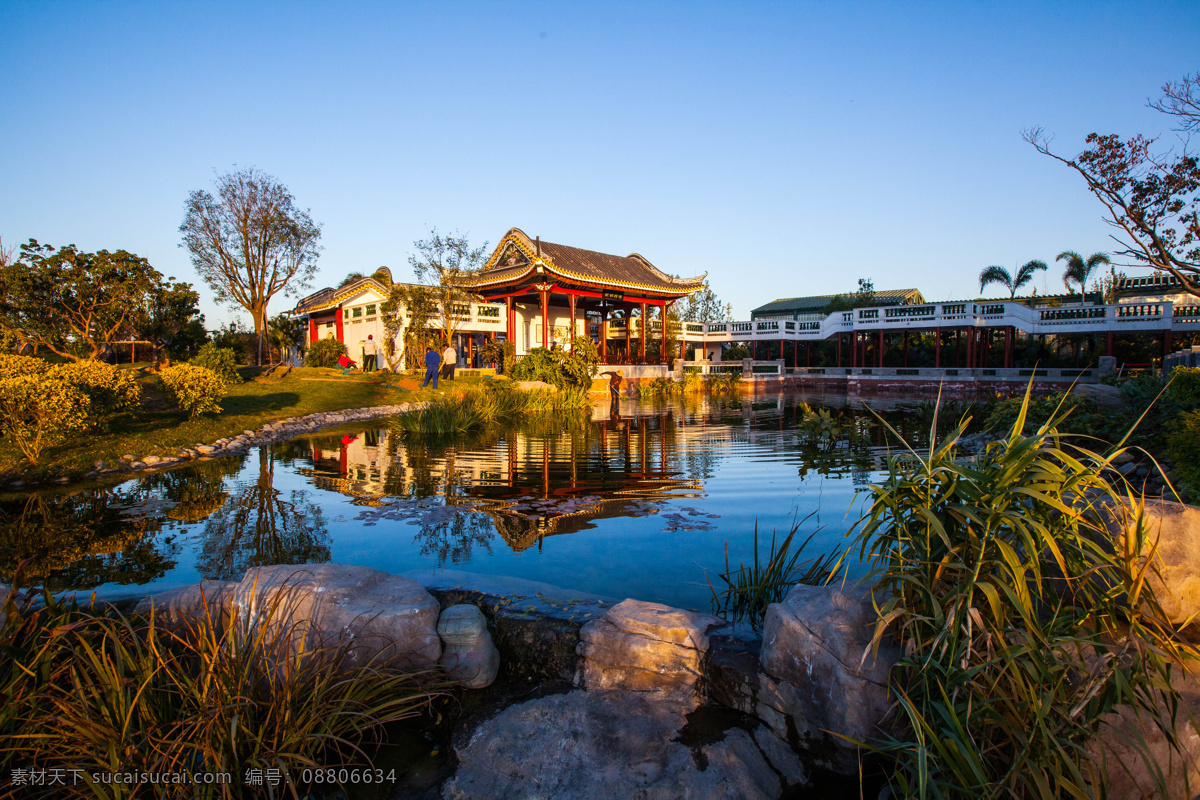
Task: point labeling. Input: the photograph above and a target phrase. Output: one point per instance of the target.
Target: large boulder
(195, 603)
(1137, 755)
(322, 604)
(618, 745)
(646, 647)
(820, 677)
(469, 656)
(1176, 527)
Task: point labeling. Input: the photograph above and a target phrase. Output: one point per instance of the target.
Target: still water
(634, 501)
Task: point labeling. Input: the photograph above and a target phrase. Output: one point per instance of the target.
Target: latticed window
(460, 310)
(488, 311)
(358, 311)
(371, 310)
(346, 313)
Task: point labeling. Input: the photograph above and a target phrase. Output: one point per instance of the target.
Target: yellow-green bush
(221, 360)
(193, 389)
(11, 366)
(110, 390)
(40, 411)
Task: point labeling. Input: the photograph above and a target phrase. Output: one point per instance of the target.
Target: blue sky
(784, 148)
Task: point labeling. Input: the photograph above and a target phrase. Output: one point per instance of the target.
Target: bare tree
(446, 266)
(250, 242)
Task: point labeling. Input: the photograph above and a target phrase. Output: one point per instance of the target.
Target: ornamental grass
(102, 692)
(492, 403)
(1018, 590)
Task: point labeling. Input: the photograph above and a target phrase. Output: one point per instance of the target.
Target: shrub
(500, 353)
(37, 412)
(220, 360)
(659, 387)
(193, 389)
(1185, 387)
(324, 353)
(109, 389)
(1021, 618)
(559, 367)
(490, 403)
(1084, 413)
(11, 366)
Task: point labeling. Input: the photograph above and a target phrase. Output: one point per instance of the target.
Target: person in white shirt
(449, 361)
(369, 351)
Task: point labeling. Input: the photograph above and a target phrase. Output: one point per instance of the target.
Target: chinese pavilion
(551, 290)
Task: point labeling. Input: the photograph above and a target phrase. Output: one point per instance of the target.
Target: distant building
(803, 307)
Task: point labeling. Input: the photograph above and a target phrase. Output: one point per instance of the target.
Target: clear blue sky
(785, 149)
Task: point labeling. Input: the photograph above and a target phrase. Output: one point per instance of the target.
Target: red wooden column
(642, 339)
(937, 347)
(604, 336)
(662, 336)
(1166, 341)
(545, 319)
(629, 334)
(1111, 344)
(510, 324)
(1008, 346)
(574, 331)
(853, 349)
(312, 331)
(839, 350)
(881, 347)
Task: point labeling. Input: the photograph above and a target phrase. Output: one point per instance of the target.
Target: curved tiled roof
(574, 263)
(814, 303)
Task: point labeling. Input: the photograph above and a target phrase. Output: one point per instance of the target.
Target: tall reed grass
(492, 403)
(103, 692)
(1022, 618)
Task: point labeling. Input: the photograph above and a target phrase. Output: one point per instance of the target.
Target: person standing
(449, 360)
(369, 351)
(431, 367)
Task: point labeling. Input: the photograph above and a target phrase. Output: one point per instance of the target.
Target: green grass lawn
(156, 430)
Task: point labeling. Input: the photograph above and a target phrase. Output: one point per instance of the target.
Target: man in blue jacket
(432, 362)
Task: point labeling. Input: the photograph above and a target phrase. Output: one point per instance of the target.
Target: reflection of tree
(82, 540)
(257, 526)
(455, 538)
(197, 490)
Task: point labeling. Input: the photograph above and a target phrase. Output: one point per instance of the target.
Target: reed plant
(749, 589)
(492, 403)
(1018, 591)
(103, 692)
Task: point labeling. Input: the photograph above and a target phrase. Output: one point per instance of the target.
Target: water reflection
(630, 500)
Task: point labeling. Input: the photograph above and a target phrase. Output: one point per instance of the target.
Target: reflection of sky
(753, 478)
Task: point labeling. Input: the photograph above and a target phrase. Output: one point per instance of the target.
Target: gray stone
(1104, 395)
(468, 655)
(1176, 529)
(150, 460)
(1128, 736)
(819, 670)
(137, 465)
(193, 603)
(604, 746)
(646, 647)
(537, 386)
(323, 604)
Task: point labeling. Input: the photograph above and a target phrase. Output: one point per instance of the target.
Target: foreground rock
(601, 745)
(820, 679)
(318, 604)
(469, 657)
(646, 647)
(1176, 528)
(196, 603)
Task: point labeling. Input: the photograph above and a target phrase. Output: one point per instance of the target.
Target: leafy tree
(351, 278)
(863, 298)
(249, 242)
(445, 268)
(221, 360)
(705, 306)
(73, 303)
(1152, 199)
(996, 274)
(1079, 270)
(287, 334)
(168, 317)
(324, 353)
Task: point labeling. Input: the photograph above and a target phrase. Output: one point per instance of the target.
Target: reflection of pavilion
(529, 485)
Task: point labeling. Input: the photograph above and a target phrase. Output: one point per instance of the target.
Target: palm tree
(1002, 276)
(1079, 270)
(351, 278)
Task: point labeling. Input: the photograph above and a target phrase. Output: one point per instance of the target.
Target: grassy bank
(155, 429)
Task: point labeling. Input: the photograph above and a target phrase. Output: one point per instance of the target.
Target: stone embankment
(236, 445)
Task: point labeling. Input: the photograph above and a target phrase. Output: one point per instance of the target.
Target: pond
(639, 500)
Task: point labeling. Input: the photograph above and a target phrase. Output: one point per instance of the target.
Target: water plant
(748, 590)
(1018, 591)
(659, 387)
(487, 404)
(101, 692)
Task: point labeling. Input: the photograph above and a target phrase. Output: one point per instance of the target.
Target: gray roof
(814, 303)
